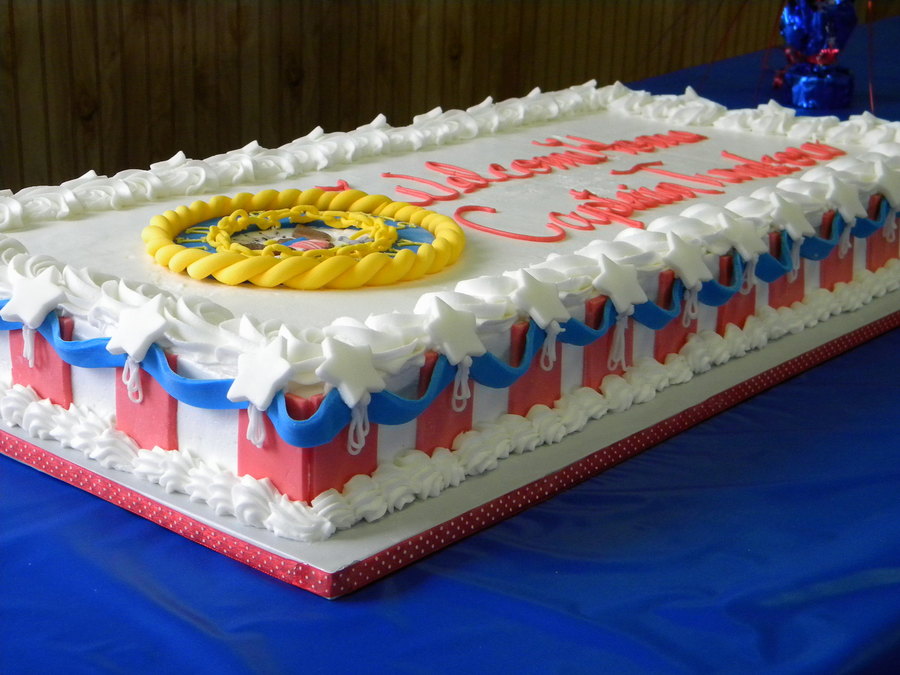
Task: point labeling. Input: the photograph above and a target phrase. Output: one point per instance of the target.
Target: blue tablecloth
(764, 540)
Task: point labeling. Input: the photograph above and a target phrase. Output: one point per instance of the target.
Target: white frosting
(550, 289)
(461, 315)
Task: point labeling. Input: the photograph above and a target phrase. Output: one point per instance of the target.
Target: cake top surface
(561, 196)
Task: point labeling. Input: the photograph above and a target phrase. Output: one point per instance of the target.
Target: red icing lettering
(340, 187)
(530, 166)
(427, 198)
(653, 167)
(635, 169)
(605, 211)
(569, 160)
(821, 151)
(558, 218)
(464, 179)
(501, 173)
(460, 216)
(638, 145)
(760, 169)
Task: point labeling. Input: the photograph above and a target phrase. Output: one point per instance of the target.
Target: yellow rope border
(305, 272)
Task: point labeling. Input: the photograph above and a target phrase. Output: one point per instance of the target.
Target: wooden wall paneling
(160, 105)
(406, 74)
(633, 61)
(668, 18)
(347, 47)
(207, 115)
(181, 81)
(537, 38)
(428, 45)
(269, 96)
(686, 31)
(705, 15)
(319, 85)
(579, 34)
(55, 41)
(610, 54)
(489, 45)
(626, 16)
(10, 135)
(642, 25)
(246, 93)
(88, 132)
(293, 97)
(370, 47)
(329, 97)
(528, 48)
(227, 53)
(113, 85)
(566, 75)
(471, 84)
(111, 89)
(381, 30)
(30, 93)
(135, 79)
(449, 73)
(553, 45)
(426, 42)
(508, 29)
(494, 41)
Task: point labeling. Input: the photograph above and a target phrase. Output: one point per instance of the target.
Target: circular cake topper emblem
(304, 239)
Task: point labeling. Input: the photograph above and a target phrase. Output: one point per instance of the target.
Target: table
(766, 539)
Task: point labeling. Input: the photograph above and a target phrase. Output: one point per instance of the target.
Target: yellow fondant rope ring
(304, 239)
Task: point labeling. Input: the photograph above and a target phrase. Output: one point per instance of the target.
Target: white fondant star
(846, 198)
(350, 370)
(138, 328)
(742, 235)
(261, 374)
(539, 299)
(453, 332)
(888, 181)
(33, 298)
(620, 284)
(791, 216)
(686, 261)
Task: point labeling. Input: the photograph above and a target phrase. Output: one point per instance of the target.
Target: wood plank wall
(108, 85)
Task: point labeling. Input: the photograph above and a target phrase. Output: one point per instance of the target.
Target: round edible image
(306, 240)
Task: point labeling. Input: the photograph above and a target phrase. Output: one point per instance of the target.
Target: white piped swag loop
(131, 378)
(462, 392)
(617, 351)
(256, 426)
(795, 260)
(844, 243)
(691, 306)
(548, 349)
(749, 281)
(891, 226)
(359, 427)
(28, 345)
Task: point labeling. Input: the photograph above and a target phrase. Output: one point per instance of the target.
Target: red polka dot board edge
(332, 584)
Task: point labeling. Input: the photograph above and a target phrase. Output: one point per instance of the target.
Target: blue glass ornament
(815, 31)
